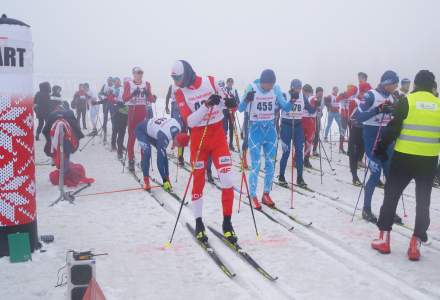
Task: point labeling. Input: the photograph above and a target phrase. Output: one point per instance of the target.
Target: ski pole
(403, 205)
(275, 158)
(241, 193)
(238, 121)
(205, 129)
(151, 161)
(293, 154)
(126, 150)
(177, 165)
(90, 139)
(243, 174)
(320, 157)
(367, 167)
(331, 144)
(326, 156)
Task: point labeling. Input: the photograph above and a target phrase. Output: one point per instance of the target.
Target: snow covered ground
(330, 260)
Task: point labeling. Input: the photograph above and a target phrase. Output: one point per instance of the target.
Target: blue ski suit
(262, 135)
(298, 141)
(365, 112)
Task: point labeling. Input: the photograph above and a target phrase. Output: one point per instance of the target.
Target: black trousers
(41, 121)
(107, 109)
(228, 125)
(403, 169)
(317, 134)
(119, 128)
(81, 113)
(355, 148)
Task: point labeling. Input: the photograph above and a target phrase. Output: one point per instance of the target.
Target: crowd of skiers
(387, 128)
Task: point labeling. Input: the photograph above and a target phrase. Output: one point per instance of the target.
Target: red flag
(93, 291)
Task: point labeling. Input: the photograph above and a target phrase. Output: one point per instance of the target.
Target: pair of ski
(44, 162)
(306, 188)
(159, 201)
(270, 217)
(234, 247)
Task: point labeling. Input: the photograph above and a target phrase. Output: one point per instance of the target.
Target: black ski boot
(200, 231)
(300, 182)
(368, 215)
(131, 165)
(282, 181)
(120, 157)
(398, 220)
(228, 230)
(380, 184)
(181, 161)
(209, 176)
(94, 132)
(436, 182)
(231, 147)
(356, 181)
(307, 163)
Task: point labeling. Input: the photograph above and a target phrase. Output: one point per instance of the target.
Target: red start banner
(17, 165)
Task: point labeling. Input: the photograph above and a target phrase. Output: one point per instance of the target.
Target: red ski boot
(267, 200)
(146, 185)
(414, 249)
(257, 204)
(382, 244)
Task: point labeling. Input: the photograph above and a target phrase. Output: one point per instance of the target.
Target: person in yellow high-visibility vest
(416, 130)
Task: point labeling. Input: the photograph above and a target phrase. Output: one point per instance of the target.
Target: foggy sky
(322, 42)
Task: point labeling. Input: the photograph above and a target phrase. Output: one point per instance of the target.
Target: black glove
(386, 108)
(136, 93)
(318, 103)
(249, 97)
(230, 103)
(214, 99)
(381, 151)
(293, 95)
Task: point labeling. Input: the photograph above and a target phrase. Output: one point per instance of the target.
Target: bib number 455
(264, 106)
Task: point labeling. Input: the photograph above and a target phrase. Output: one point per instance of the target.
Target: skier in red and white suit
(136, 94)
(201, 102)
(309, 121)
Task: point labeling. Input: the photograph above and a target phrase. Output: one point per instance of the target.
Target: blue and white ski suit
(262, 131)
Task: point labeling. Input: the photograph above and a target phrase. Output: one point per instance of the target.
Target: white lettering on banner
(426, 106)
(223, 160)
(199, 165)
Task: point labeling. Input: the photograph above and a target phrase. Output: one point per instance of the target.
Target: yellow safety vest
(420, 133)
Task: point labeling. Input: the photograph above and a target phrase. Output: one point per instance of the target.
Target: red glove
(182, 140)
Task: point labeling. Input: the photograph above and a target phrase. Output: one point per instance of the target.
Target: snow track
(332, 259)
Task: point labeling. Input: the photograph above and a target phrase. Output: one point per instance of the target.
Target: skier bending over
(201, 108)
(158, 132)
(260, 99)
